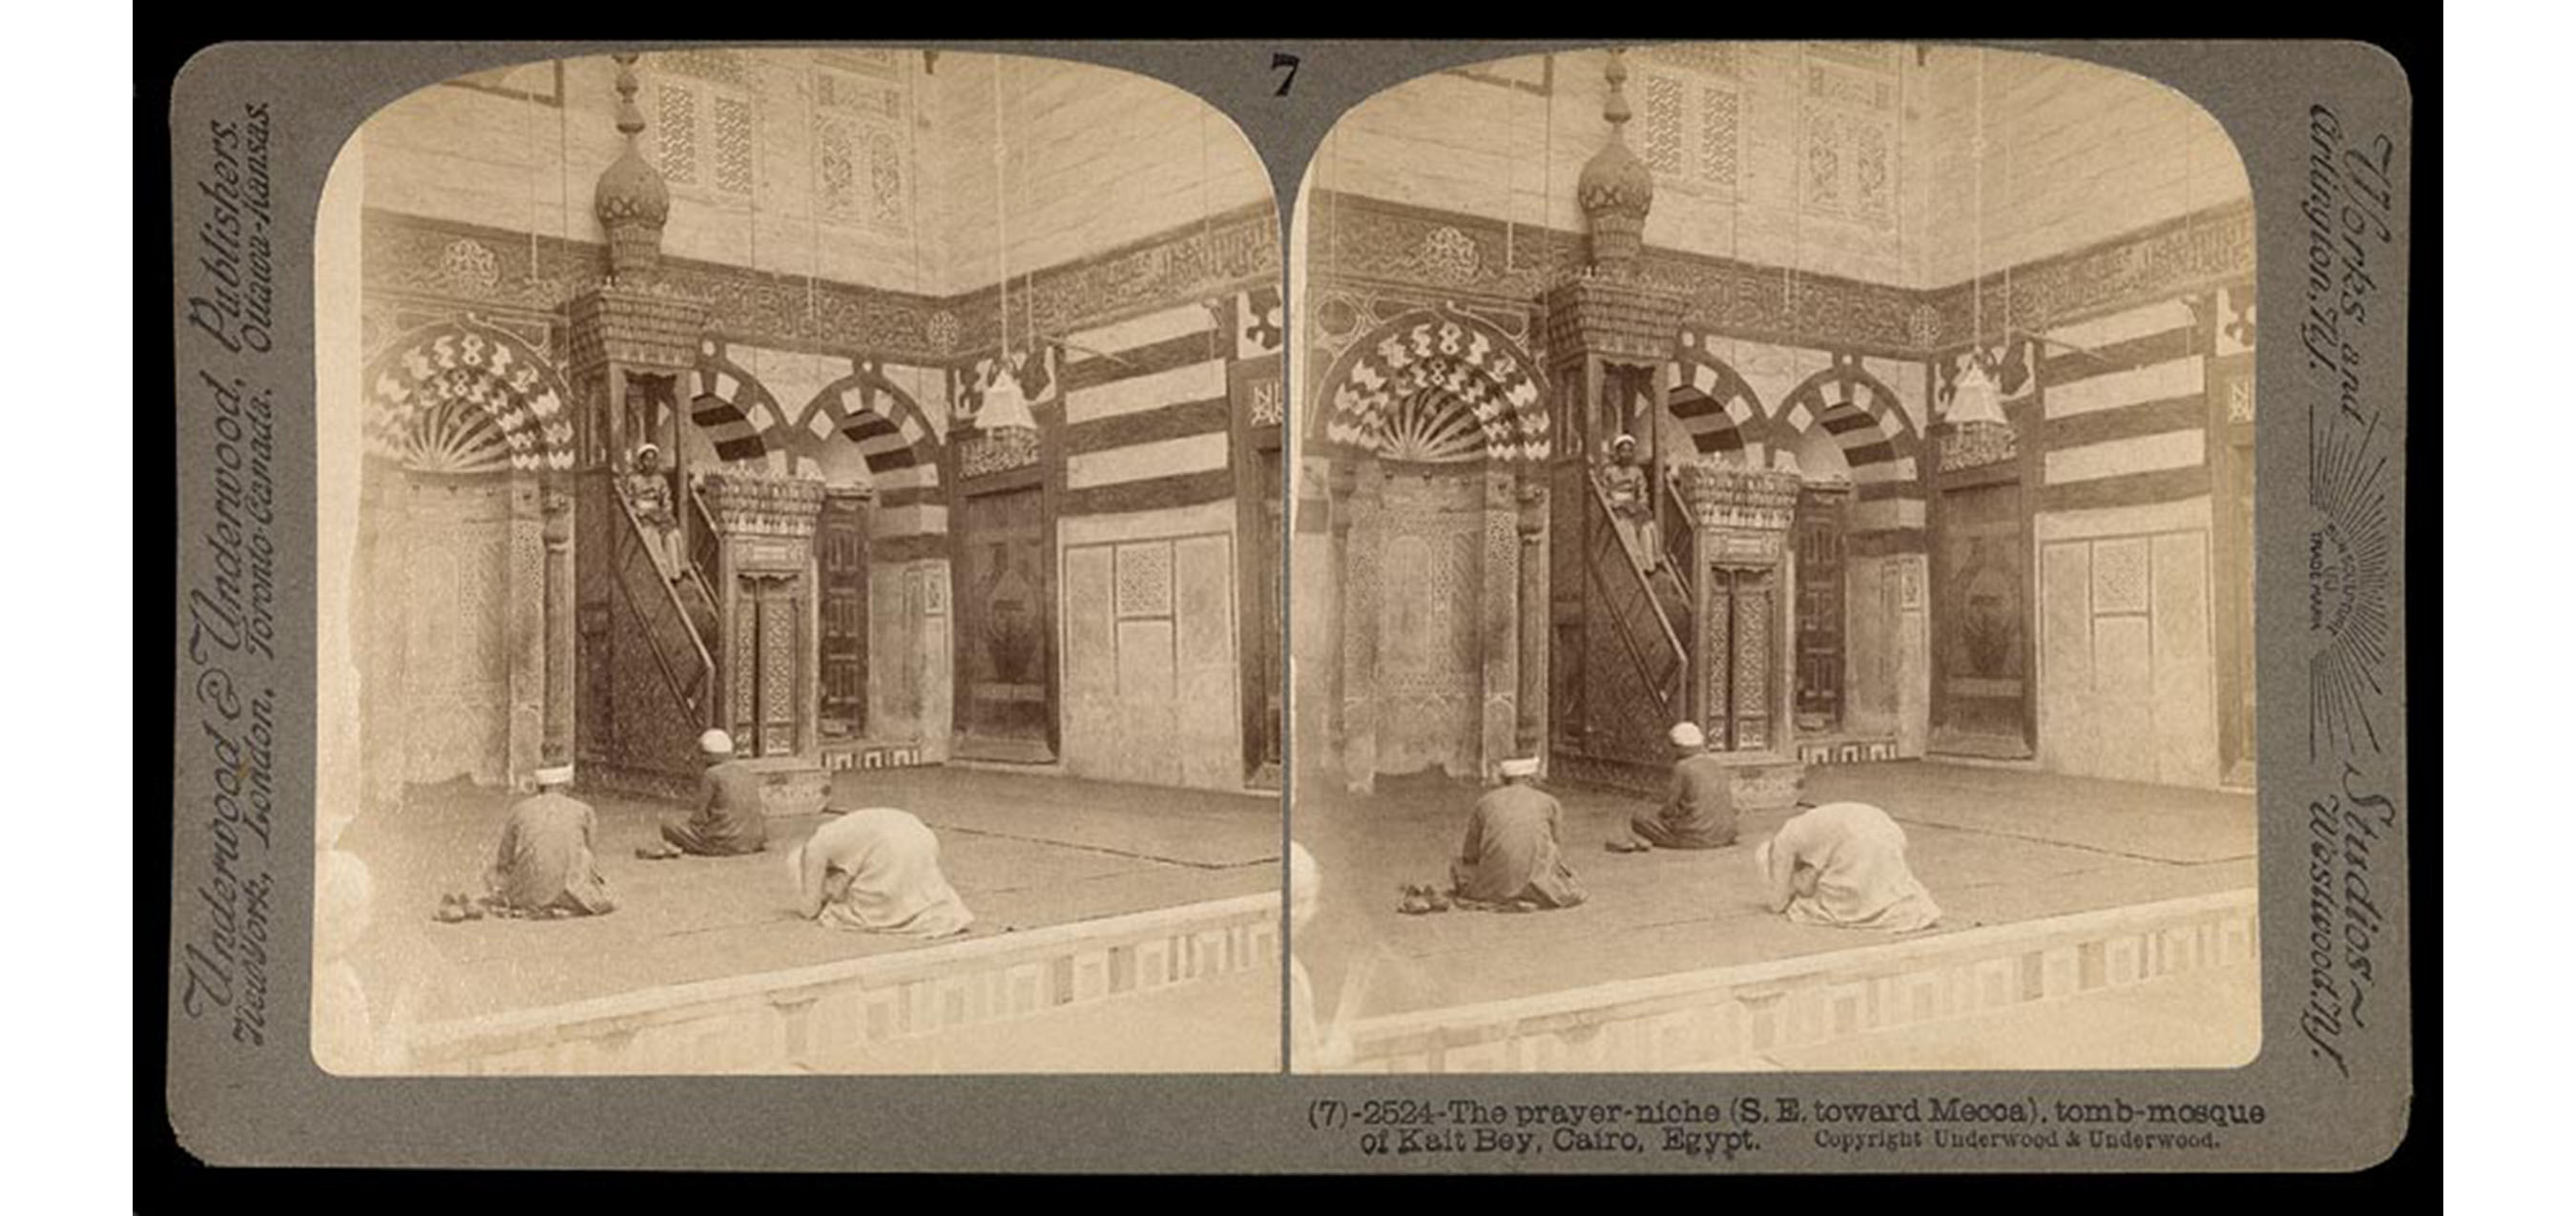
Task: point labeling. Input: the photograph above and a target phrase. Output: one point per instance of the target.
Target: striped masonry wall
(1148, 544)
(873, 1014)
(1724, 1018)
(2126, 659)
(1147, 413)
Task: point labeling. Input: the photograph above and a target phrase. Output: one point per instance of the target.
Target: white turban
(560, 774)
(715, 742)
(1521, 766)
(1688, 734)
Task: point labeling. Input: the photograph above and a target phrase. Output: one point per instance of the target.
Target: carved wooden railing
(674, 640)
(706, 545)
(697, 583)
(1633, 611)
(1680, 528)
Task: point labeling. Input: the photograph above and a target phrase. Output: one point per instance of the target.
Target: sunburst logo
(2350, 584)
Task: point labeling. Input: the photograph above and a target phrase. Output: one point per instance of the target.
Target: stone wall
(2123, 536)
(794, 162)
(1726, 1017)
(835, 211)
(1848, 159)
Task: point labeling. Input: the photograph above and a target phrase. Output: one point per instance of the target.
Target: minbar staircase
(1633, 667)
(657, 656)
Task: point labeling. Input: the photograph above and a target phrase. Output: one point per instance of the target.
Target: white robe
(1843, 864)
(876, 869)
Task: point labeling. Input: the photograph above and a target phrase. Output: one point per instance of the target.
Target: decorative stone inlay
(1727, 496)
(981, 453)
(469, 263)
(465, 396)
(753, 504)
(1449, 255)
(2240, 400)
(1374, 242)
(1974, 445)
(1230, 252)
(942, 330)
(1266, 408)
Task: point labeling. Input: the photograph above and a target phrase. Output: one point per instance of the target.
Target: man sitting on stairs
(648, 491)
(1626, 483)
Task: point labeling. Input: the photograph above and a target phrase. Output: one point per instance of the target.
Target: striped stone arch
(888, 426)
(1463, 358)
(1863, 416)
(465, 396)
(1713, 403)
(737, 413)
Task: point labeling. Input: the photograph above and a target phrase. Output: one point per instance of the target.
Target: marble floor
(1023, 852)
(1995, 846)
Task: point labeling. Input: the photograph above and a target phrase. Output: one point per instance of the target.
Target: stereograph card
(1685, 606)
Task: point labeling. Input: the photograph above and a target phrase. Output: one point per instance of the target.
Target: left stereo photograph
(799, 587)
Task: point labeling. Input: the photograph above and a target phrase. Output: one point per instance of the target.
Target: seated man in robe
(1698, 811)
(876, 869)
(648, 490)
(1843, 865)
(1629, 488)
(1512, 857)
(729, 821)
(545, 865)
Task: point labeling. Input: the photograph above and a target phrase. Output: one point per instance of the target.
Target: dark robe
(729, 821)
(1698, 810)
(1512, 852)
(546, 861)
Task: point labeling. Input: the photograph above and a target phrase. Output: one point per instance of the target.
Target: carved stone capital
(749, 504)
(1733, 498)
(634, 326)
(1610, 317)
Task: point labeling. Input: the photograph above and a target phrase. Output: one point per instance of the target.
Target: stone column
(559, 627)
(525, 634)
(1534, 621)
(1357, 484)
(1499, 626)
(384, 622)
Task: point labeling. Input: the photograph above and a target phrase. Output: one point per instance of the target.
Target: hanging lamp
(1005, 409)
(1976, 401)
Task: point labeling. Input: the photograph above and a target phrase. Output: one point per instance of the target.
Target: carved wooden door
(841, 561)
(1819, 539)
(768, 638)
(1739, 634)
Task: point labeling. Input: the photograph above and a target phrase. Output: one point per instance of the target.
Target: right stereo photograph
(1770, 569)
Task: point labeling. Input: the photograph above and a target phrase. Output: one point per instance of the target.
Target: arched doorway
(1429, 424)
(1855, 450)
(465, 544)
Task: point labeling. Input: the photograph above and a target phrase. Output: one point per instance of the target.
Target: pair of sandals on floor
(1422, 899)
(456, 907)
